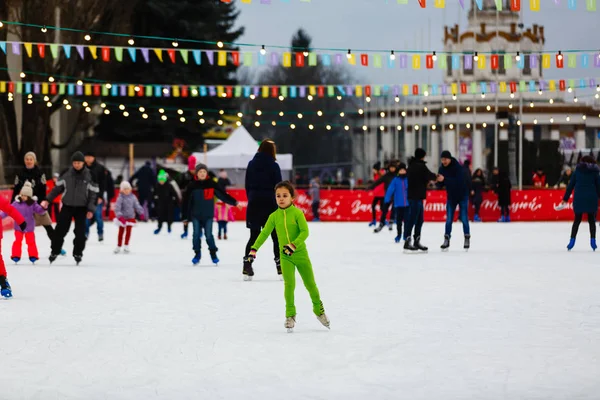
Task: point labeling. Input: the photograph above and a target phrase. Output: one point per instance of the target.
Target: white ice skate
(324, 320)
(126, 250)
(117, 250)
(290, 323)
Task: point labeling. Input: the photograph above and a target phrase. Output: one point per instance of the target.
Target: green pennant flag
(377, 60)
(54, 50)
(330, 91)
(442, 61)
(184, 55)
(19, 87)
(473, 87)
(522, 86)
(62, 88)
(284, 91)
(149, 91)
(376, 90)
(105, 90)
(248, 59)
(119, 54)
(571, 83)
(238, 91)
(507, 61)
(572, 60)
(312, 59)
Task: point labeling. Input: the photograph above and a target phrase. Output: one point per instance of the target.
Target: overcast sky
(377, 25)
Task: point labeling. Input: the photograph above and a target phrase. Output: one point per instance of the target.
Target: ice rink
(517, 317)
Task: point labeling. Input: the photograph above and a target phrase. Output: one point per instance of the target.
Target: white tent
(237, 151)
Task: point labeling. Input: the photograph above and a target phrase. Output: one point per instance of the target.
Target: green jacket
(290, 226)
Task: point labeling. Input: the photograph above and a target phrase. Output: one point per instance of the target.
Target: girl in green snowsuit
(292, 230)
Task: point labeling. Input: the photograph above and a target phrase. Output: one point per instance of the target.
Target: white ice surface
(518, 317)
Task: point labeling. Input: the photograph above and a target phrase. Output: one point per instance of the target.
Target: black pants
(67, 213)
(376, 200)
(254, 235)
(401, 216)
(384, 211)
(505, 211)
(315, 209)
(591, 223)
(477, 206)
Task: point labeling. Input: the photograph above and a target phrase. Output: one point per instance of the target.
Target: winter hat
(401, 166)
(90, 153)
(78, 156)
(200, 167)
(162, 176)
(377, 166)
(56, 175)
(446, 154)
(191, 163)
(420, 153)
(27, 190)
(125, 185)
(32, 155)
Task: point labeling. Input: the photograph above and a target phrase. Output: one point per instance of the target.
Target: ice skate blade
(247, 278)
(280, 277)
(444, 250)
(290, 330)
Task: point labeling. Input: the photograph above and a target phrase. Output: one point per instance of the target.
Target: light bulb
(122, 107)
(382, 114)
(164, 117)
(382, 128)
(182, 119)
(510, 106)
(281, 98)
(273, 123)
(46, 98)
(445, 110)
(87, 109)
(597, 88)
(320, 113)
(263, 51)
(518, 57)
(346, 127)
(425, 109)
(142, 109)
(484, 125)
(453, 96)
(488, 107)
(281, 113)
(551, 101)
(221, 112)
(342, 114)
(531, 104)
(560, 56)
(299, 116)
(145, 116)
(107, 111)
(569, 90)
(309, 97)
(426, 93)
(240, 114)
(103, 105)
(476, 58)
(535, 121)
(65, 101)
(200, 112)
(451, 126)
(131, 41)
(305, 53)
(404, 113)
(483, 95)
(339, 97)
(416, 127)
(328, 127)
(252, 96)
(512, 95)
(568, 118)
(293, 126)
(126, 114)
(575, 100)
(180, 112)
(433, 127)
(22, 74)
(540, 92)
(238, 123)
(434, 56)
(392, 55)
(311, 127)
(519, 122)
(397, 99)
(597, 96)
(1, 24)
(365, 128)
(202, 120)
(137, 88)
(220, 44)
(49, 104)
(258, 112)
(50, 79)
(68, 107)
(166, 91)
(349, 55)
(551, 120)
(368, 99)
(361, 111)
(468, 126)
(468, 109)
(501, 123)
(584, 117)
(399, 127)
(175, 43)
(87, 37)
(108, 86)
(85, 104)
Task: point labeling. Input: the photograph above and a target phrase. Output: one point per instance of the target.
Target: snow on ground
(518, 317)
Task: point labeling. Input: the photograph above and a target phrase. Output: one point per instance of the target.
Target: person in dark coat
(33, 174)
(565, 178)
(385, 180)
(165, 198)
(110, 191)
(500, 184)
(456, 180)
(477, 188)
(223, 180)
(99, 177)
(262, 174)
(419, 177)
(586, 183)
(146, 179)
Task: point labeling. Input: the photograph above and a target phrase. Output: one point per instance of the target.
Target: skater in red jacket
(12, 212)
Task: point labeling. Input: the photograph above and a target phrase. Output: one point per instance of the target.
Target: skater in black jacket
(419, 177)
(385, 180)
(477, 188)
(165, 198)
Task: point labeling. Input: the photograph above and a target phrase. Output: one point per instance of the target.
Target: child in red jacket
(5, 207)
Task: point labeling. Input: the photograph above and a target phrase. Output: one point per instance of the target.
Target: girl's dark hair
(288, 185)
(267, 146)
(477, 171)
(588, 159)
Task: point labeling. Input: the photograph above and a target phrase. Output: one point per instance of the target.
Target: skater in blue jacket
(398, 191)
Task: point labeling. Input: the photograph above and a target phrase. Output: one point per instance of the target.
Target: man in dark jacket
(456, 180)
(146, 179)
(419, 177)
(385, 180)
(79, 202)
(98, 173)
(200, 209)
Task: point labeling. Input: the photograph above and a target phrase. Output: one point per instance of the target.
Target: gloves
(122, 221)
(142, 217)
(23, 225)
(289, 249)
(251, 256)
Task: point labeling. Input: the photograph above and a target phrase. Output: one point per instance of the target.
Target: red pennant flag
(96, 90)
(423, 3)
(184, 91)
(560, 61)
(105, 54)
(415, 89)
(229, 91)
(429, 61)
(495, 61)
(321, 91)
(513, 87)
(364, 60)
(235, 56)
(53, 88)
(562, 85)
(41, 49)
(11, 87)
(367, 90)
(515, 5)
(274, 91)
(299, 60)
(171, 53)
(140, 92)
(463, 88)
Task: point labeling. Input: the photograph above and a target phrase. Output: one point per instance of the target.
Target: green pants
(289, 264)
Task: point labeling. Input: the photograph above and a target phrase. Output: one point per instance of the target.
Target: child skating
(223, 214)
(12, 212)
(291, 227)
(125, 208)
(199, 206)
(165, 198)
(27, 207)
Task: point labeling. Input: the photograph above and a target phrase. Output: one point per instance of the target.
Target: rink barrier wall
(355, 205)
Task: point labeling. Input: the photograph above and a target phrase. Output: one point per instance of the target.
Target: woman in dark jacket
(501, 186)
(262, 174)
(477, 187)
(586, 183)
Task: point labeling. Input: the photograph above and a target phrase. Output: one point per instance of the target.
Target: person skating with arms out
(125, 208)
(5, 289)
(27, 207)
(200, 210)
(454, 177)
(291, 227)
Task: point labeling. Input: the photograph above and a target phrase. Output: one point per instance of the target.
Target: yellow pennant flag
(546, 61)
(131, 91)
(502, 87)
(28, 47)
(88, 89)
(312, 90)
(481, 62)
(552, 85)
(220, 91)
(158, 54)
(534, 5)
(3, 86)
(222, 58)
(454, 88)
(287, 59)
(352, 59)
(94, 51)
(416, 61)
(44, 88)
(265, 91)
(247, 1)
(439, 3)
(405, 90)
(359, 91)
(175, 90)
